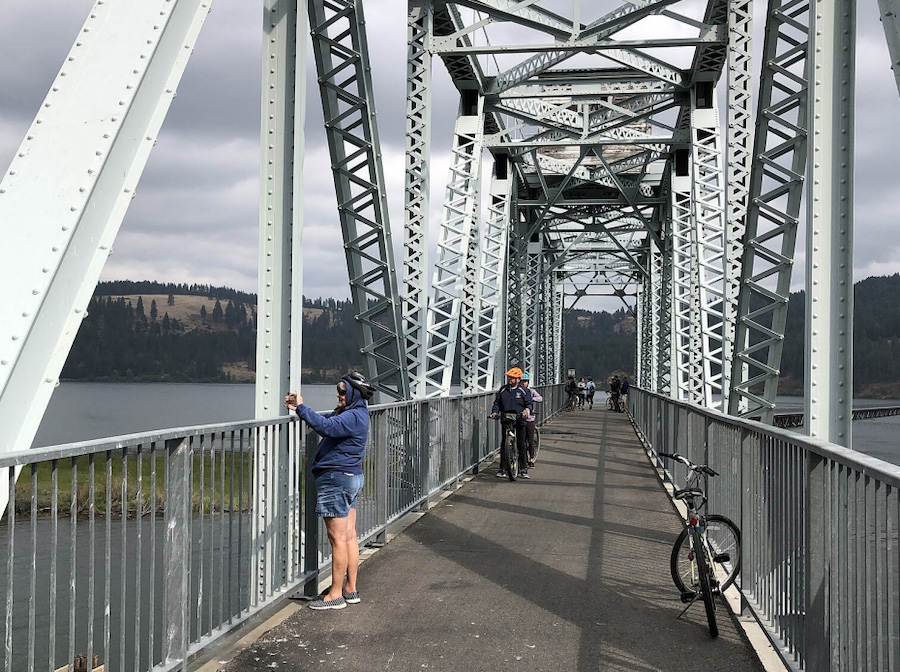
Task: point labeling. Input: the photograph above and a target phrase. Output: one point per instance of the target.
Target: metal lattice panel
(345, 85)
(418, 155)
(776, 187)
(460, 216)
(708, 212)
(687, 371)
(739, 142)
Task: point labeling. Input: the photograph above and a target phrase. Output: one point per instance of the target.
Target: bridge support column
(829, 239)
(818, 528)
(418, 181)
(456, 254)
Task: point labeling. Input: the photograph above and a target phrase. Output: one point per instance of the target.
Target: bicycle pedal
(688, 597)
(722, 558)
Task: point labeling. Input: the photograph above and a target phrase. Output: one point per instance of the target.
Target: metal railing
(144, 550)
(819, 531)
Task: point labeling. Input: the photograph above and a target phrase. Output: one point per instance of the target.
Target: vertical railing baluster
(138, 574)
(212, 527)
(92, 560)
(33, 591)
(54, 538)
(222, 555)
(73, 540)
(10, 557)
(240, 571)
(107, 654)
(231, 609)
(202, 539)
(124, 549)
(151, 624)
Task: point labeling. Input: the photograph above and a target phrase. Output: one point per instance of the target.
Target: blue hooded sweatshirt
(343, 434)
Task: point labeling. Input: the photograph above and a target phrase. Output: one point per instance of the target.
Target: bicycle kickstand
(689, 604)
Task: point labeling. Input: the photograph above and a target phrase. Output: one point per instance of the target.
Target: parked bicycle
(706, 557)
(509, 450)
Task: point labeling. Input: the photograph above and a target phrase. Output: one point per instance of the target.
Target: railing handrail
(868, 465)
(101, 445)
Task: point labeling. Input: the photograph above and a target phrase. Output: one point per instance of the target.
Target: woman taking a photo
(338, 474)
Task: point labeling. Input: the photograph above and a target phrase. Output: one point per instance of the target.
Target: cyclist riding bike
(615, 389)
(572, 391)
(531, 427)
(514, 398)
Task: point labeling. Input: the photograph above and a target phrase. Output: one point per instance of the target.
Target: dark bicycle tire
(727, 540)
(512, 457)
(536, 443)
(706, 586)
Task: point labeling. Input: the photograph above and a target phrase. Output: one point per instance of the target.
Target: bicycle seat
(688, 492)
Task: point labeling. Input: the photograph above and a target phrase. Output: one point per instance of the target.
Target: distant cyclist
(591, 388)
(514, 398)
(582, 392)
(532, 418)
(572, 391)
(625, 387)
(615, 389)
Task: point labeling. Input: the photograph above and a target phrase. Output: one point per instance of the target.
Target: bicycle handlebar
(690, 465)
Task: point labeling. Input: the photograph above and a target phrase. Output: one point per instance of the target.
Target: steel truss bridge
(635, 149)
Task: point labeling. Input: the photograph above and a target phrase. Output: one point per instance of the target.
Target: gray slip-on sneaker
(320, 604)
(352, 598)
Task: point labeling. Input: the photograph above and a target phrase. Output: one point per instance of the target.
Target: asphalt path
(567, 571)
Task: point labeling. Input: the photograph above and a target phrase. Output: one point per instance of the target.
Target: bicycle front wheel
(724, 542)
(706, 583)
(536, 443)
(512, 456)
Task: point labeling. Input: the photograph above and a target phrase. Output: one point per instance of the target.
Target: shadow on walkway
(568, 571)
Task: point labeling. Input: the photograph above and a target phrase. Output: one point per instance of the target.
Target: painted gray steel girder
(597, 90)
(65, 194)
(600, 29)
(461, 213)
(739, 141)
(280, 292)
(528, 13)
(665, 321)
(559, 334)
(545, 363)
(417, 186)
(828, 380)
(518, 262)
(890, 20)
(490, 343)
(531, 337)
(582, 174)
(687, 370)
(470, 302)
(776, 187)
(708, 212)
(345, 83)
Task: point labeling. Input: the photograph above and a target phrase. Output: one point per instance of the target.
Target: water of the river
(80, 411)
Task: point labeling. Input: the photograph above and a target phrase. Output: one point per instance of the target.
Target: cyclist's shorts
(336, 493)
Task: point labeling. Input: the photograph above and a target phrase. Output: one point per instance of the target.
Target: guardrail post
(310, 521)
(424, 448)
(817, 633)
(177, 550)
(382, 461)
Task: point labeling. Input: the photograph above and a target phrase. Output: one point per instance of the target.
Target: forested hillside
(148, 331)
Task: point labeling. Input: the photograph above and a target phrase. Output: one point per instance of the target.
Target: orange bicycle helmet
(515, 372)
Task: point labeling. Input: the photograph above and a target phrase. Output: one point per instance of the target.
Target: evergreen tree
(171, 300)
(154, 311)
(140, 308)
(218, 315)
(203, 312)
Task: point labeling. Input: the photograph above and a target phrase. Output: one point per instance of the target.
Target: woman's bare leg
(352, 553)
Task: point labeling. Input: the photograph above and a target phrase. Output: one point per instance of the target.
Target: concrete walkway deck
(567, 571)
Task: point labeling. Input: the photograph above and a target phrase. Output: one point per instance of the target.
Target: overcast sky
(194, 218)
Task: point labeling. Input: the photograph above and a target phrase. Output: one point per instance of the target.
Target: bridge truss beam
(345, 84)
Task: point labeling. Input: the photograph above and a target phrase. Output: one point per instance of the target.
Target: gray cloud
(194, 216)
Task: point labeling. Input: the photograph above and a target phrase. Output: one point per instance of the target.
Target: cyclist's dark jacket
(513, 400)
(615, 386)
(571, 387)
(625, 387)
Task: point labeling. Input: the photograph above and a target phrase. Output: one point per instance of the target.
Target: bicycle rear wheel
(536, 443)
(706, 583)
(512, 456)
(724, 541)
